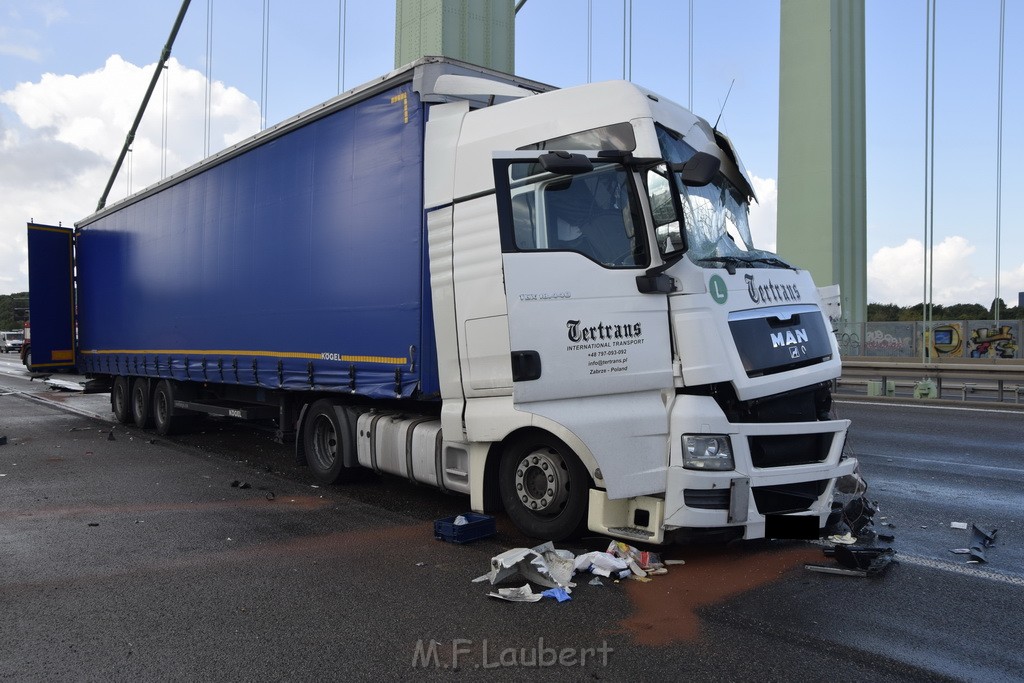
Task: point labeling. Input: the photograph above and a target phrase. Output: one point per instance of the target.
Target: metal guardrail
(1000, 377)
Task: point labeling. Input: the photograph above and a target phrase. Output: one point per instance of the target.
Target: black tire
(544, 487)
(165, 420)
(141, 404)
(325, 436)
(120, 399)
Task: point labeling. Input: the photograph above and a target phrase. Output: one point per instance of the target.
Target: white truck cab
(666, 376)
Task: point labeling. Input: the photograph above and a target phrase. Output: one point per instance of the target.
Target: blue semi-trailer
(545, 299)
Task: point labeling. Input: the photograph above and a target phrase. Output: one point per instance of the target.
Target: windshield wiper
(770, 260)
(730, 262)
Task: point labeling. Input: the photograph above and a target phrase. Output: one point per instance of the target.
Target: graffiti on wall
(993, 342)
(946, 340)
(889, 339)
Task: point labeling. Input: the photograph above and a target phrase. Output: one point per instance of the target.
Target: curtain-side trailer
(545, 299)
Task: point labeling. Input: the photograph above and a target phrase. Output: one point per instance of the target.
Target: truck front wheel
(120, 399)
(544, 487)
(326, 435)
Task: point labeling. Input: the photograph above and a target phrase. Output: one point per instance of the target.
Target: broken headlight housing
(707, 452)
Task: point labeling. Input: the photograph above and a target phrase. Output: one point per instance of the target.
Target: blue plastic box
(478, 526)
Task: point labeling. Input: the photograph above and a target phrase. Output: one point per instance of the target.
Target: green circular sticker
(718, 290)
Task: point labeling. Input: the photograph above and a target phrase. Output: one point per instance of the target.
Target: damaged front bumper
(782, 471)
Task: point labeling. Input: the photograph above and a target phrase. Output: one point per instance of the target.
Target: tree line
(892, 313)
(13, 311)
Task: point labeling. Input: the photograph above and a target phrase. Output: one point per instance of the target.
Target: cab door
(51, 284)
(573, 243)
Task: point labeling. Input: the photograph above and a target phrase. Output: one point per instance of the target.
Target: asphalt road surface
(136, 559)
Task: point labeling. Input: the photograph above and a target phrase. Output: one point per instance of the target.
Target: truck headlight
(707, 452)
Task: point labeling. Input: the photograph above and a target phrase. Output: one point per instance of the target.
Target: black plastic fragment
(981, 540)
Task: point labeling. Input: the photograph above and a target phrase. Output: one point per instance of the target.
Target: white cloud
(763, 213)
(896, 274)
(68, 130)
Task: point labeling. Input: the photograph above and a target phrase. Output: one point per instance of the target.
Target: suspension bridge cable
(209, 77)
(342, 29)
(999, 155)
(264, 70)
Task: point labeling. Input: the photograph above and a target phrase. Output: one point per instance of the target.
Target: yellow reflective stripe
(65, 354)
(387, 360)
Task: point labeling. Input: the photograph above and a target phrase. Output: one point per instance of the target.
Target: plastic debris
(669, 563)
(601, 564)
(844, 539)
(643, 559)
(856, 561)
(958, 525)
(461, 521)
(559, 594)
(596, 581)
(522, 594)
(542, 565)
(981, 540)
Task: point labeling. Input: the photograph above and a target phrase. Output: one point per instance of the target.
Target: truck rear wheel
(544, 487)
(164, 418)
(120, 399)
(142, 416)
(326, 435)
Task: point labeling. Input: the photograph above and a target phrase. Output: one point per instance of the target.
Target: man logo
(789, 338)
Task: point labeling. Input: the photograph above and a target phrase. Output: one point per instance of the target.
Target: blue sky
(59, 133)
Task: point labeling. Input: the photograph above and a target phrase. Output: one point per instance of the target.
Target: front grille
(785, 498)
(789, 449)
(706, 499)
(808, 404)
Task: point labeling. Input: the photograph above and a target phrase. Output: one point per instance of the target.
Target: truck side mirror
(699, 170)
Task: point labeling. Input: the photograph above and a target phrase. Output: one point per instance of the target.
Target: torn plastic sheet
(602, 564)
(543, 565)
(560, 594)
(521, 594)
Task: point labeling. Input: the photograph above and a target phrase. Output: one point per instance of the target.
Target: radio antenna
(729, 92)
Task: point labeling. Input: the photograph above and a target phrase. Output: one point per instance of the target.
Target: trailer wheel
(544, 487)
(141, 413)
(164, 418)
(120, 399)
(324, 436)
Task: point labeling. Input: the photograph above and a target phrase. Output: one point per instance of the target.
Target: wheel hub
(541, 481)
(325, 442)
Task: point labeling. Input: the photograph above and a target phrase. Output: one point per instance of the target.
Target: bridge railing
(999, 379)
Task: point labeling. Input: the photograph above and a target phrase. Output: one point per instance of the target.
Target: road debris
(856, 561)
(553, 569)
(521, 594)
(559, 594)
(465, 528)
(543, 565)
(981, 540)
(958, 525)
